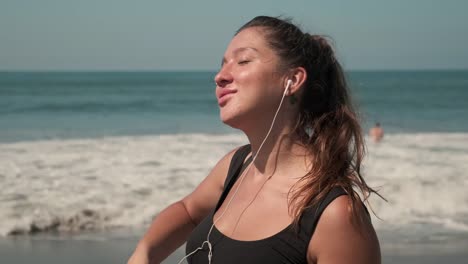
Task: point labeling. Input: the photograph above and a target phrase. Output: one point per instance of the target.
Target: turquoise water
(414, 101)
(83, 105)
(55, 105)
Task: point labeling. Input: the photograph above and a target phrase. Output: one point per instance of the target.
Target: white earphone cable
(207, 241)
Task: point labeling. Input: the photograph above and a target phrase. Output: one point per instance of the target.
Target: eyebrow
(239, 50)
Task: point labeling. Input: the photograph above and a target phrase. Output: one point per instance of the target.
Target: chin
(231, 119)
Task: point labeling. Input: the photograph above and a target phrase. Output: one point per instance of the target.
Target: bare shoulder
(337, 239)
(205, 196)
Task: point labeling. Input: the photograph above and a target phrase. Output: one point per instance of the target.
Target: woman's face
(248, 85)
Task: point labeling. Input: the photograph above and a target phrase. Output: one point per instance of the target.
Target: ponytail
(328, 125)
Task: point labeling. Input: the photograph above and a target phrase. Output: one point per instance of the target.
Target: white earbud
(287, 86)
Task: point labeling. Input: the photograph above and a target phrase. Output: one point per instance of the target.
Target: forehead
(250, 38)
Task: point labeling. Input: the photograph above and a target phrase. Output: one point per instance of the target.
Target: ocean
(96, 152)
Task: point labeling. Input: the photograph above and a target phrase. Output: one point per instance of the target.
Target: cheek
(253, 84)
(257, 93)
(245, 77)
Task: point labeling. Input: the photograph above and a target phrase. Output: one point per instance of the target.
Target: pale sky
(137, 35)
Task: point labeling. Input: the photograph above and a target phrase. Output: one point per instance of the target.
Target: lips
(224, 95)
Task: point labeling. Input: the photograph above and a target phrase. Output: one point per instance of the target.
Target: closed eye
(243, 62)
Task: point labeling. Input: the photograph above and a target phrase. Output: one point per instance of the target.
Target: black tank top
(288, 246)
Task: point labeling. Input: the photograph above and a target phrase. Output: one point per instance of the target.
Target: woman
(290, 195)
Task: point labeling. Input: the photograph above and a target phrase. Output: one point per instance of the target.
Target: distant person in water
(376, 133)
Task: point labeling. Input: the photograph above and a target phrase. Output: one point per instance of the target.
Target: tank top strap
(236, 167)
(310, 218)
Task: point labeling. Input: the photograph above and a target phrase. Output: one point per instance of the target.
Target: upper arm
(204, 198)
(338, 240)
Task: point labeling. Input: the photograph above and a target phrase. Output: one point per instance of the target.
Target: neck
(279, 150)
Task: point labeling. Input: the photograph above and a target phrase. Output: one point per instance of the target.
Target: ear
(298, 76)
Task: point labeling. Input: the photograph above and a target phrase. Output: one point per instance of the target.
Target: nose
(223, 78)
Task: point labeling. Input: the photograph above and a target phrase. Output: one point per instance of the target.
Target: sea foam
(103, 183)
